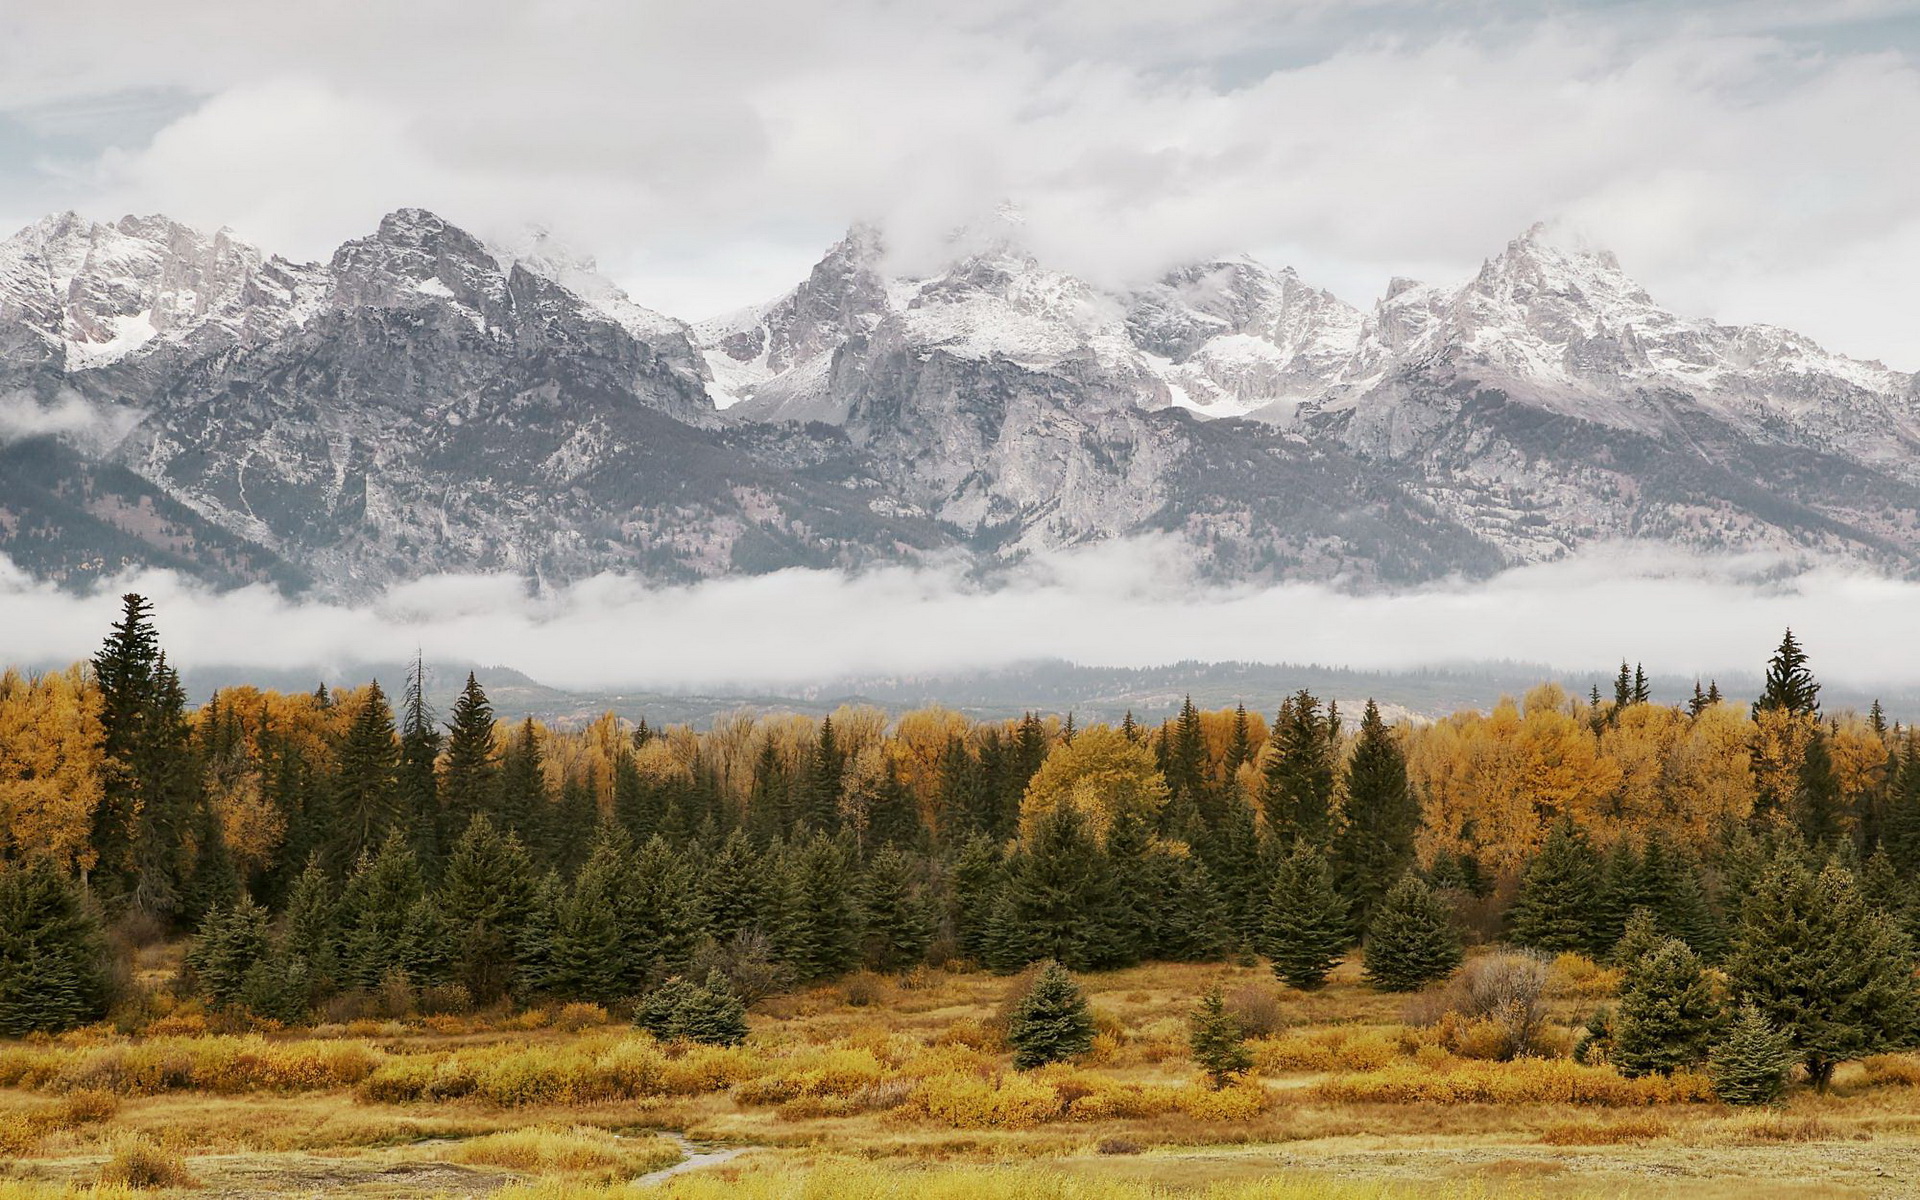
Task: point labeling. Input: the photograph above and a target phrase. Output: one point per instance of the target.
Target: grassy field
(900, 1087)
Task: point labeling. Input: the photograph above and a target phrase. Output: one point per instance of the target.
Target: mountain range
(427, 401)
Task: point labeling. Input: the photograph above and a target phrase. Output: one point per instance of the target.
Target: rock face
(427, 402)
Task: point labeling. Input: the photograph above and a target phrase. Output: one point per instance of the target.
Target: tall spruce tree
(974, 896)
(418, 792)
(1817, 804)
(1828, 970)
(1374, 847)
(1556, 906)
(469, 783)
(1059, 901)
(1306, 930)
(895, 918)
(1411, 940)
(486, 895)
(1789, 683)
(523, 806)
(819, 925)
(1299, 774)
(597, 954)
(374, 909)
(366, 780)
(734, 893)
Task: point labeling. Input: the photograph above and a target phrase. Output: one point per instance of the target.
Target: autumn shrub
(1902, 1070)
(445, 999)
(1256, 1008)
(1607, 1133)
(1008, 1101)
(1337, 1048)
(863, 989)
(830, 1072)
(1240, 1101)
(975, 1035)
(1776, 1127)
(138, 1163)
(1494, 1008)
(1526, 1081)
(1577, 977)
(574, 1017)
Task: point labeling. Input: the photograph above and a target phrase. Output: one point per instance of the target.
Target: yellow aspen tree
(50, 765)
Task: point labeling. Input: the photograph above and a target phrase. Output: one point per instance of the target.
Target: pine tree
(1306, 930)
(469, 783)
(713, 1015)
(1789, 684)
(596, 953)
(1375, 845)
(1669, 1012)
(1298, 793)
(1218, 1046)
(1411, 941)
(230, 941)
(536, 961)
(1554, 909)
(311, 929)
(522, 804)
(1831, 973)
(1059, 901)
(817, 787)
(485, 897)
(1818, 804)
(1750, 1065)
(374, 908)
(660, 1010)
(819, 925)
(666, 910)
(974, 895)
(895, 917)
(366, 782)
(53, 955)
(1051, 1022)
(1240, 747)
(418, 792)
(733, 893)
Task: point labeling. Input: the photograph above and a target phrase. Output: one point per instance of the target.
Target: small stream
(698, 1155)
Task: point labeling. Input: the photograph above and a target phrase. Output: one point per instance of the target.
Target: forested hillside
(332, 852)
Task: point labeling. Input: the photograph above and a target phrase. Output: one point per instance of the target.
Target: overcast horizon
(1735, 156)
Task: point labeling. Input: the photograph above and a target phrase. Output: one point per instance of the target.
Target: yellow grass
(577, 1150)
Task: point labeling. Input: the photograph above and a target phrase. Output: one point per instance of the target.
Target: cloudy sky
(1748, 160)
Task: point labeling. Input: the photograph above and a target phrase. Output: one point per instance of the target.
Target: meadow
(901, 1086)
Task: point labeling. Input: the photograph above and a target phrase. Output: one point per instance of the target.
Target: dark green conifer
(469, 783)
(819, 927)
(1555, 908)
(1669, 1012)
(1831, 972)
(417, 789)
(1219, 1047)
(1789, 684)
(1750, 1064)
(1051, 1022)
(374, 908)
(897, 922)
(974, 896)
(1299, 774)
(597, 954)
(1306, 930)
(366, 781)
(1411, 941)
(53, 955)
(486, 895)
(1374, 847)
(230, 941)
(1059, 901)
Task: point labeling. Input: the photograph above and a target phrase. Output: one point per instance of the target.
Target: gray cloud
(68, 416)
(1742, 158)
(1120, 604)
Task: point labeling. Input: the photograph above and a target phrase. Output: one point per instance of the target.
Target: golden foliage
(50, 765)
(1101, 774)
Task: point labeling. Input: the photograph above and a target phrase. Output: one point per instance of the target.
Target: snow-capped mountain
(428, 401)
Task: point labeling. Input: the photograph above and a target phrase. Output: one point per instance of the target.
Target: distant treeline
(335, 843)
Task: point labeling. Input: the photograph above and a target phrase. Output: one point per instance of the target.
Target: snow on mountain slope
(77, 295)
